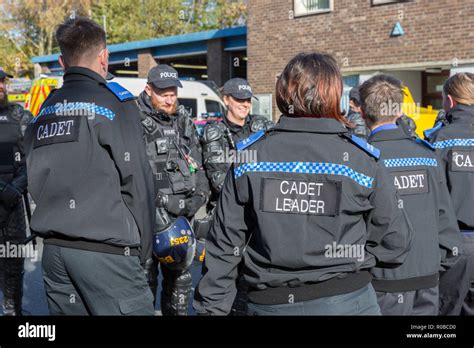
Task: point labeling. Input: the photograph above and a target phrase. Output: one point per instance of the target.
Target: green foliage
(27, 27)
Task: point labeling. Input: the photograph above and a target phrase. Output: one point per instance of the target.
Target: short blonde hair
(461, 88)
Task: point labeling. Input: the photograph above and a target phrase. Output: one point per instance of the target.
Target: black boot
(176, 292)
(13, 286)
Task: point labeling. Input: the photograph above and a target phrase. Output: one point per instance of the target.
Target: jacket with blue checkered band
(419, 178)
(308, 219)
(454, 144)
(87, 168)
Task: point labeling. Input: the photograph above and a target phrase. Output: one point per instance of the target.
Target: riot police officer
(454, 141)
(354, 115)
(310, 217)
(181, 185)
(220, 137)
(92, 184)
(412, 288)
(13, 184)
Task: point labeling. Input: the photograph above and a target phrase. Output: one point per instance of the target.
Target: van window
(214, 108)
(190, 105)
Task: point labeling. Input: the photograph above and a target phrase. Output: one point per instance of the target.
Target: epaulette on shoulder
(120, 92)
(429, 132)
(243, 144)
(424, 143)
(362, 144)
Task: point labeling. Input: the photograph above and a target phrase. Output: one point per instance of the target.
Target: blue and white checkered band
(72, 109)
(453, 142)
(410, 162)
(305, 168)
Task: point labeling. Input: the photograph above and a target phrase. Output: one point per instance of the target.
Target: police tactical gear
(181, 188)
(13, 183)
(174, 154)
(219, 138)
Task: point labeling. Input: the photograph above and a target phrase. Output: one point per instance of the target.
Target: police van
(200, 101)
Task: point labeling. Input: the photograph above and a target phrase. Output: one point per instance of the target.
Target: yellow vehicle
(18, 89)
(40, 90)
(424, 117)
(17, 97)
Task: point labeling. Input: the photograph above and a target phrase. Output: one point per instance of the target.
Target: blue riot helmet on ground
(175, 245)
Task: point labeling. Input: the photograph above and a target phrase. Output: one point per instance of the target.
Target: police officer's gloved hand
(175, 205)
(10, 196)
(193, 204)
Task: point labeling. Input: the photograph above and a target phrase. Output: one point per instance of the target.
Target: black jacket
(171, 131)
(454, 144)
(13, 122)
(88, 170)
(421, 184)
(311, 194)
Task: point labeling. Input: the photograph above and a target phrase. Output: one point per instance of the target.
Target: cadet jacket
(316, 211)
(421, 184)
(13, 122)
(171, 169)
(88, 170)
(217, 141)
(454, 144)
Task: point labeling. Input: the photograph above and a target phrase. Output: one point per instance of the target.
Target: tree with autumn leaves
(27, 27)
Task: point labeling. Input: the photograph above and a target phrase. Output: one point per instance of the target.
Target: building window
(383, 2)
(309, 7)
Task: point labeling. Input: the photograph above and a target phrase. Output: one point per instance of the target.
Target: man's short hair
(80, 38)
(381, 98)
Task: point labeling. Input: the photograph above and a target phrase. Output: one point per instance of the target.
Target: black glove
(175, 205)
(193, 204)
(10, 196)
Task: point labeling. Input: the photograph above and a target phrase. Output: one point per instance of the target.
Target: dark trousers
(13, 232)
(456, 285)
(359, 302)
(81, 282)
(416, 302)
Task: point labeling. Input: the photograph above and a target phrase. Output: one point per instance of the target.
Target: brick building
(419, 41)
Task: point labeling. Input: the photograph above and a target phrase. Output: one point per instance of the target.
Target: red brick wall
(357, 34)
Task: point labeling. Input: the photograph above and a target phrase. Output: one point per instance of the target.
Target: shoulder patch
(241, 145)
(120, 92)
(362, 144)
(425, 143)
(429, 132)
